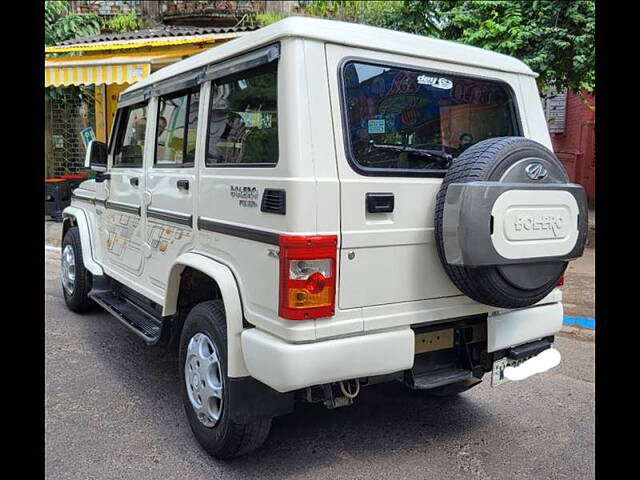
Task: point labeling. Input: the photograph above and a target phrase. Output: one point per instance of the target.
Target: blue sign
(87, 136)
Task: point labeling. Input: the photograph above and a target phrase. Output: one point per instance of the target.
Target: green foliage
(125, 22)
(61, 24)
(265, 18)
(369, 12)
(554, 37)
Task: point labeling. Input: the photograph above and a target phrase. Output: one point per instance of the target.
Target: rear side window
(129, 146)
(404, 121)
(243, 119)
(176, 129)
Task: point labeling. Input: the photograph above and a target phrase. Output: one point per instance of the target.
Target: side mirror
(96, 156)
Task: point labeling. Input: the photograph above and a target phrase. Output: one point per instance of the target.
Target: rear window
(416, 122)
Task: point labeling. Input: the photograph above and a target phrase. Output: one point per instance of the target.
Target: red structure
(576, 146)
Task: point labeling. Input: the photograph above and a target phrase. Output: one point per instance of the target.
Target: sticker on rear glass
(438, 82)
(376, 126)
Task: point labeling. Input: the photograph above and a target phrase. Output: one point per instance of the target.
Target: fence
(67, 116)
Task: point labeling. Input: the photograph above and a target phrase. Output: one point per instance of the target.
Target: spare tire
(468, 247)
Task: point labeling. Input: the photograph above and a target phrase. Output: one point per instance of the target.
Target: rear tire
(76, 279)
(222, 437)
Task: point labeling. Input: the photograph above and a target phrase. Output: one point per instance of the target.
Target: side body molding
(230, 296)
(80, 220)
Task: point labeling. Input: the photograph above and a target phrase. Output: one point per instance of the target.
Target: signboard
(555, 110)
(87, 135)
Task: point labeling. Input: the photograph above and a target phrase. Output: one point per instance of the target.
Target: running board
(144, 324)
(439, 378)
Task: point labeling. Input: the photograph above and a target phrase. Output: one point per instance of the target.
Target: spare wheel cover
(505, 161)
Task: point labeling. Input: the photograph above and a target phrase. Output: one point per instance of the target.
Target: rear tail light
(560, 281)
(307, 276)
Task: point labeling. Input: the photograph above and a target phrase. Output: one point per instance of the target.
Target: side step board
(440, 377)
(139, 320)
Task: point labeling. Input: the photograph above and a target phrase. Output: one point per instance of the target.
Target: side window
(129, 146)
(243, 119)
(176, 129)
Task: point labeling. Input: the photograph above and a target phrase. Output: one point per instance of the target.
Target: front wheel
(76, 280)
(205, 386)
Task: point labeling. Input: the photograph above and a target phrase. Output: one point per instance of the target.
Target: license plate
(497, 376)
(544, 361)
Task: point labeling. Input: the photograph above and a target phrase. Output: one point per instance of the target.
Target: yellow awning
(59, 75)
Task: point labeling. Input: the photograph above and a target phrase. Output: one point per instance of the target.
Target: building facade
(571, 119)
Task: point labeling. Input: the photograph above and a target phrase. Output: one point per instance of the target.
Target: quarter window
(176, 129)
(129, 147)
(243, 119)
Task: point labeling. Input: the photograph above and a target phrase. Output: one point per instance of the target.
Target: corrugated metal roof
(156, 32)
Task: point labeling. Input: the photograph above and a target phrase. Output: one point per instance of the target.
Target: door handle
(183, 184)
(134, 181)
(380, 202)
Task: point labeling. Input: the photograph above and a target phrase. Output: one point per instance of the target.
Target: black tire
(227, 439)
(487, 161)
(78, 300)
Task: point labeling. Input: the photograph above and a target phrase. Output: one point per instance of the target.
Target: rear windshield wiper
(418, 151)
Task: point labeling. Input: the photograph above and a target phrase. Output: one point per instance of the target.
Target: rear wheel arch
(215, 281)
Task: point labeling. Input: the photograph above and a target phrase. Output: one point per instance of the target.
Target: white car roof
(348, 34)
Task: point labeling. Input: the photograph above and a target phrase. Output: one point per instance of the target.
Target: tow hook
(340, 394)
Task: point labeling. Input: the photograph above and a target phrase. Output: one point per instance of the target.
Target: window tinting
(129, 147)
(176, 129)
(243, 119)
(400, 119)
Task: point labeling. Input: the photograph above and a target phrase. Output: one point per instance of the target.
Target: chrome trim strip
(236, 231)
(123, 207)
(175, 217)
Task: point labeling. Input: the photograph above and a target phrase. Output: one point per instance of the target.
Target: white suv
(320, 206)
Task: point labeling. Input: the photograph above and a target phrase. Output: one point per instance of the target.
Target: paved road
(113, 410)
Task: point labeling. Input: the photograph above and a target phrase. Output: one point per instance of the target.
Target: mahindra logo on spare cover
(536, 171)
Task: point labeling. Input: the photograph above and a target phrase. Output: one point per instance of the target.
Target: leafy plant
(61, 24)
(554, 38)
(264, 18)
(125, 22)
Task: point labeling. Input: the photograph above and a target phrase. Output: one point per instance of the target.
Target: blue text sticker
(376, 126)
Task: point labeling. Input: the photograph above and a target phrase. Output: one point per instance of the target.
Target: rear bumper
(287, 366)
(515, 327)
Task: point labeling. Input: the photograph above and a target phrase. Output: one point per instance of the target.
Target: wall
(576, 146)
